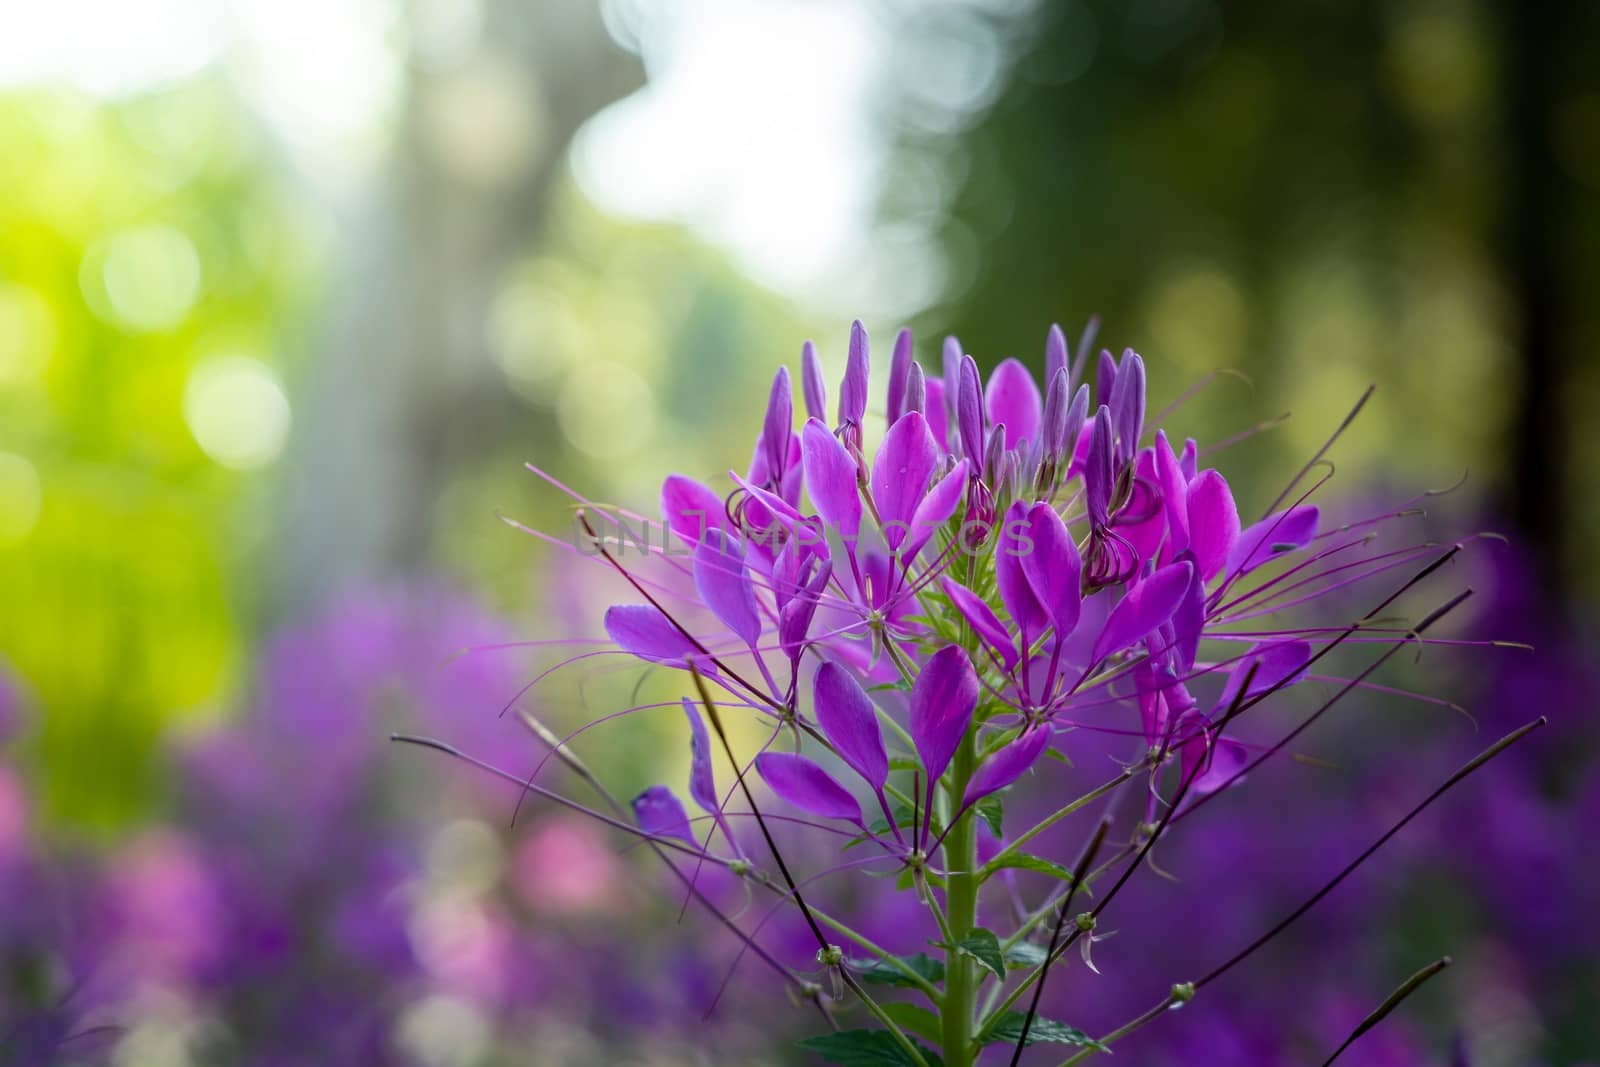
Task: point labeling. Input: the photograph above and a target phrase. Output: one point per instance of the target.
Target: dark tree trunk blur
(1535, 190)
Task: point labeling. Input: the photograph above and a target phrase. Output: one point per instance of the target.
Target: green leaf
(882, 972)
(1026, 954)
(915, 1018)
(992, 811)
(1028, 862)
(1007, 1028)
(984, 947)
(866, 1048)
(905, 763)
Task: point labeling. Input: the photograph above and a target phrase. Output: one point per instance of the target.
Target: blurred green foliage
(1225, 196)
(137, 240)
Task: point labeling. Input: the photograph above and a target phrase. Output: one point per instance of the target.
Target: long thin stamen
(1078, 871)
(1449, 783)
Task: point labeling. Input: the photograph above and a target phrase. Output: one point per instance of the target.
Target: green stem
(926, 987)
(1050, 820)
(882, 1016)
(961, 898)
(1174, 999)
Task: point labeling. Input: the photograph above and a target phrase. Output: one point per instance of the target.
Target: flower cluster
(922, 624)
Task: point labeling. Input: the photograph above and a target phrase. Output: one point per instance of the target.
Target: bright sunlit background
(290, 291)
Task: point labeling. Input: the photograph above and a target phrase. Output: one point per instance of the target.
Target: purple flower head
(1005, 571)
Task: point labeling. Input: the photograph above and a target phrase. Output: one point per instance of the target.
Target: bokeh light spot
(27, 334)
(151, 276)
(237, 411)
(21, 498)
(607, 410)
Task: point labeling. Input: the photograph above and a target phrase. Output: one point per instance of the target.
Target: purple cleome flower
(1004, 574)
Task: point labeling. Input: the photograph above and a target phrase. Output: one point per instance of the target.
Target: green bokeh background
(1317, 198)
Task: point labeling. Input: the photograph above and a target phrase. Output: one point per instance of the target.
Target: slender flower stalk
(927, 626)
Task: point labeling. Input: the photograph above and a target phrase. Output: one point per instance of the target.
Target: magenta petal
(900, 474)
(646, 633)
(915, 395)
(1208, 762)
(969, 409)
(1188, 622)
(779, 423)
(1009, 764)
(807, 786)
(1012, 397)
(1105, 378)
(899, 371)
(937, 412)
(794, 621)
(660, 814)
(812, 385)
(1054, 570)
(1277, 665)
(1055, 353)
(845, 713)
(1147, 605)
(1174, 497)
(723, 582)
(691, 508)
(1149, 534)
(1097, 472)
(1127, 403)
(1162, 700)
(943, 699)
(831, 479)
(1014, 548)
(1284, 531)
(702, 782)
(982, 619)
(936, 509)
(1213, 523)
(857, 371)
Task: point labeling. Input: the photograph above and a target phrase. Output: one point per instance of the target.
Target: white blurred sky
(759, 127)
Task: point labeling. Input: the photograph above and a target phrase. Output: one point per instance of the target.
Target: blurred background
(289, 292)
